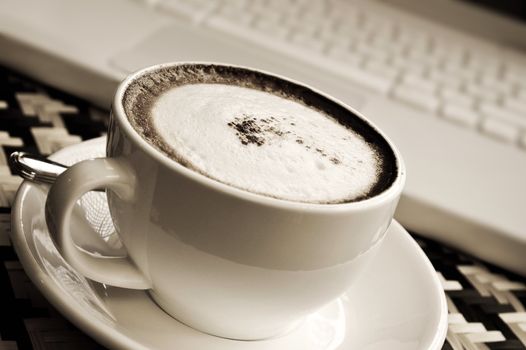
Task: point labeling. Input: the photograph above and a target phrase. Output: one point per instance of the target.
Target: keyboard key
(385, 41)
(446, 47)
(192, 10)
(148, 2)
(386, 29)
(521, 95)
(311, 18)
(445, 79)
(460, 71)
(515, 74)
(457, 97)
(494, 83)
(522, 141)
(342, 42)
(372, 24)
(345, 55)
(487, 64)
(423, 55)
(416, 97)
(382, 68)
(500, 129)
(245, 31)
(363, 48)
(481, 92)
(348, 28)
(326, 33)
(460, 115)
(414, 38)
(232, 17)
(271, 28)
(239, 4)
(298, 26)
(281, 6)
(516, 105)
(370, 79)
(268, 15)
(492, 110)
(308, 42)
(315, 7)
(520, 85)
(401, 63)
(420, 82)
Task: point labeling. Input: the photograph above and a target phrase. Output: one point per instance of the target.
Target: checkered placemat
(487, 305)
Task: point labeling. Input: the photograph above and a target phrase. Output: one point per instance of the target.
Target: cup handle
(109, 173)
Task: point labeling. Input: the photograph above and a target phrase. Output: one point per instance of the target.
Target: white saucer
(397, 304)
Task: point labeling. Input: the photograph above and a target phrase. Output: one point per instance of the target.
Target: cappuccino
(260, 134)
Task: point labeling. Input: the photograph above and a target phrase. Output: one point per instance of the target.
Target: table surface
(39, 119)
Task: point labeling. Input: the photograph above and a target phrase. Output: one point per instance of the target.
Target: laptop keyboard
(472, 85)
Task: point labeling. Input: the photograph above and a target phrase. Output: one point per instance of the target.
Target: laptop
(445, 79)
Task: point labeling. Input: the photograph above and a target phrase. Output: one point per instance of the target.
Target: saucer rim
(109, 336)
(87, 323)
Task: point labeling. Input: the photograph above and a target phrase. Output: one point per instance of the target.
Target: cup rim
(118, 112)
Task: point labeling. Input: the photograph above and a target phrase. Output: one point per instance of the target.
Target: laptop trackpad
(185, 42)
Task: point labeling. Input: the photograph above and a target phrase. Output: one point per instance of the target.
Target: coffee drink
(260, 134)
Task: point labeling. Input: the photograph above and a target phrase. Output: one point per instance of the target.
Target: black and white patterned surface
(487, 305)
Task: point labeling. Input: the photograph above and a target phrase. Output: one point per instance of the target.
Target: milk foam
(266, 144)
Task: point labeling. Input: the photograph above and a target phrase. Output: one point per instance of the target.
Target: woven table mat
(486, 304)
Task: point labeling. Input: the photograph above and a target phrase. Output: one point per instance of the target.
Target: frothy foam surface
(260, 133)
(264, 143)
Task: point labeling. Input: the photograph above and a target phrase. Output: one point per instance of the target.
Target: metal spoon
(36, 168)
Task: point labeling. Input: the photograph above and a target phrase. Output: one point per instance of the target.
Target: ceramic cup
(222, 260)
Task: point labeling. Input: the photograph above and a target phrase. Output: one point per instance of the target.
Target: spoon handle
(36, 168)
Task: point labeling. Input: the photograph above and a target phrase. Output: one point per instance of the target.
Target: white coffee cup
(222, 260)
